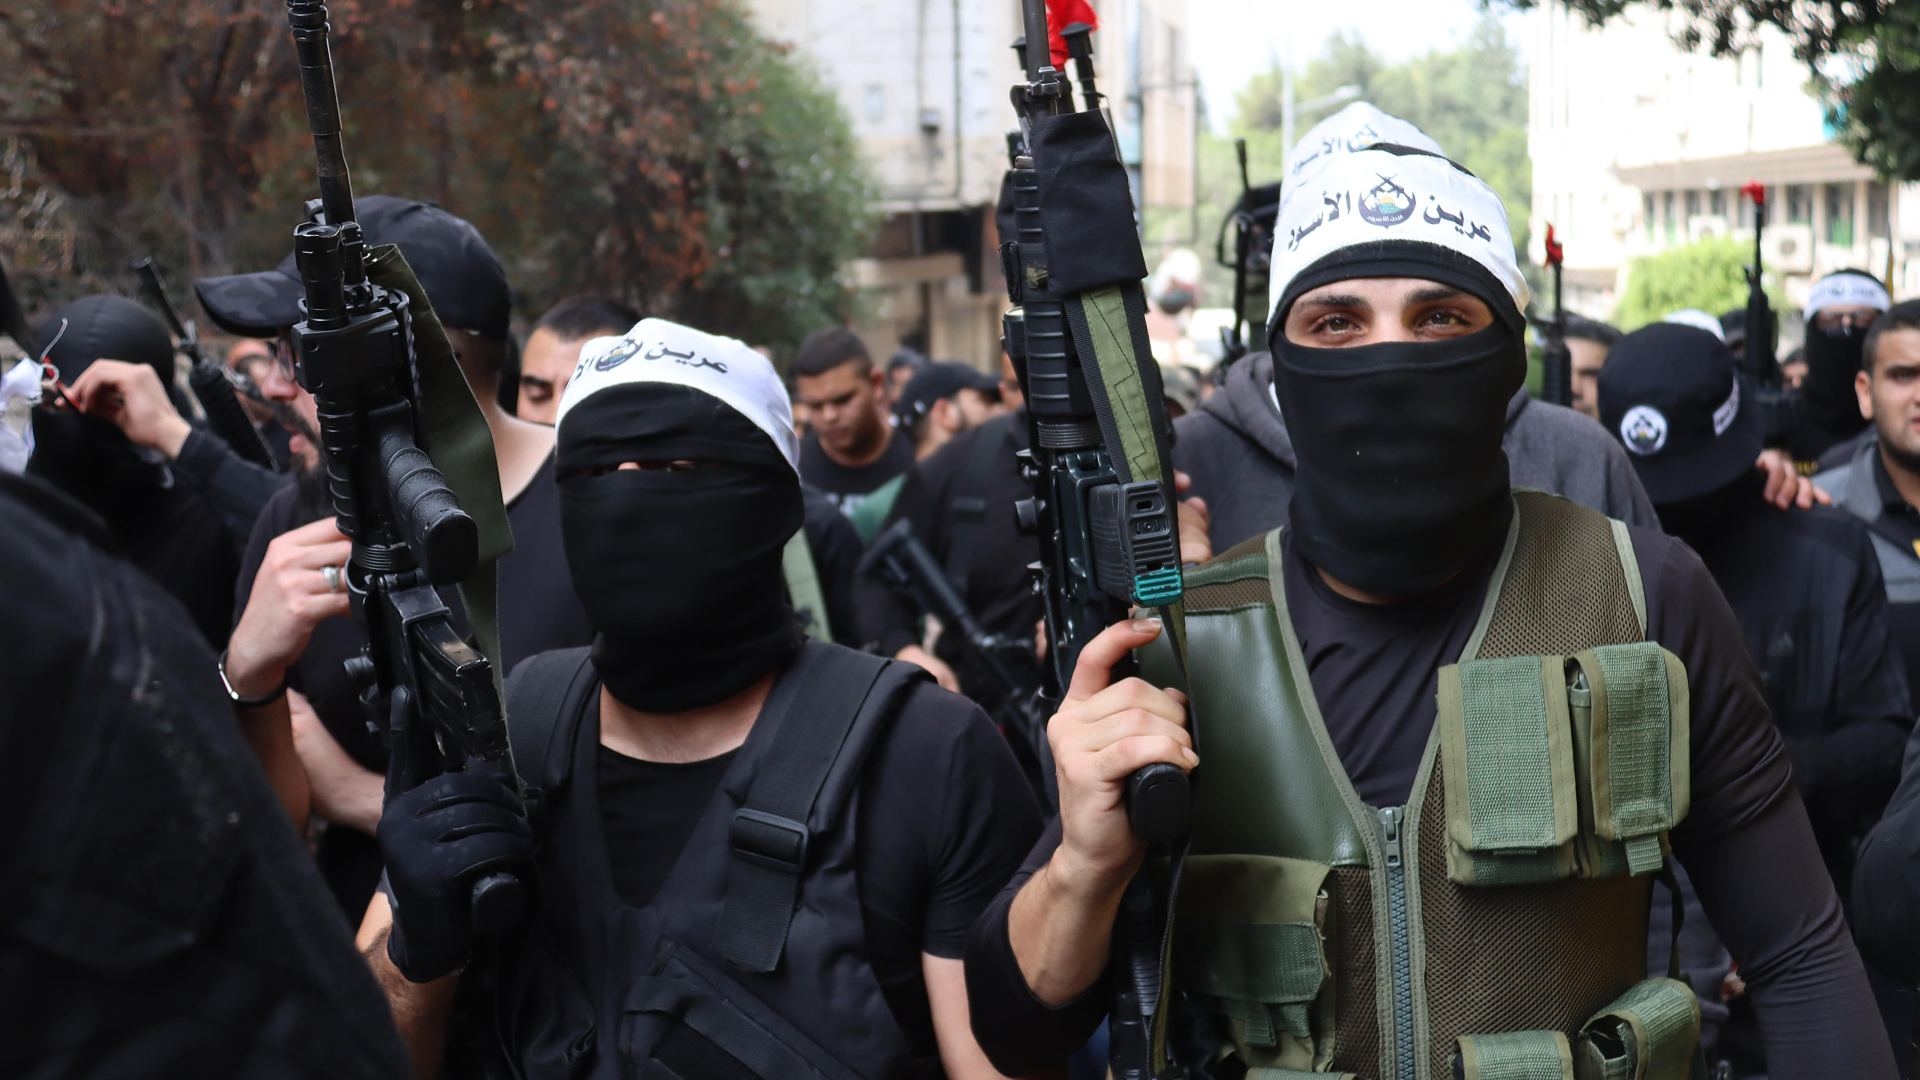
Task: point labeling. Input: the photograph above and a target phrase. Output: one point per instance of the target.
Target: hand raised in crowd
(132, 398)
(1104, 733)
(299, 586)
(1195, 522)
(1786, 488)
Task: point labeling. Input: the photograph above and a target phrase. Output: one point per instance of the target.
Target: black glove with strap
(437, 841)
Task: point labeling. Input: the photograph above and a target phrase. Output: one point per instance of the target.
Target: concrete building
(1639, 147)
(925, 84)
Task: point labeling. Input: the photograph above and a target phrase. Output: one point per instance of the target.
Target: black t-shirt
(849, 487)
(537, 611)
(944, 817)
(1746, 840)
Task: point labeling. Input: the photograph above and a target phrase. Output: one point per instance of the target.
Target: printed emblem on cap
(1387, 205)
(1644, 430)
(619, 354)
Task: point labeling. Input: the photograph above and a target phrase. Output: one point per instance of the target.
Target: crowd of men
(783, 819)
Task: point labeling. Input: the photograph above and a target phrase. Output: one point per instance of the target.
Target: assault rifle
(1556, 361)
(1102, 503)
(899, 560)
(432, 693)
(1760, 362)
(1251, 222)
(207, 377)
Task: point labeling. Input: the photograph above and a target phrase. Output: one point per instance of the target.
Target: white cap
(658, 351)
(1847, 288)
(1699, 320)
(1371, 196)
(1352, 129)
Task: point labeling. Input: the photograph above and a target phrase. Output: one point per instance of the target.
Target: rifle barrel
(308, 20)
(1039, 51)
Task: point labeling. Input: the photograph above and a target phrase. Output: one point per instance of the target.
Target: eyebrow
(1433, 294)
(1337, 300)
(535, 380)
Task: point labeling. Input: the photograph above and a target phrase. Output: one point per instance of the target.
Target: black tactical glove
(437, 841)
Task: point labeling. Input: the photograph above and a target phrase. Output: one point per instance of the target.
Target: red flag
(1060, 15)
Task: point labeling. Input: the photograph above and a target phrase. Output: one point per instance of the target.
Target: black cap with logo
(1673, 396)
(462, 276)
(940, 379)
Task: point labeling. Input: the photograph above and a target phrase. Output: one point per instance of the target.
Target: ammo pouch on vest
(1563, 766)
(1261, 956)
(1648, 1033)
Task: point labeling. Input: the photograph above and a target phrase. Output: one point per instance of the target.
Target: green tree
(656, 149)
(1862, 56)
(1472, 99)
(1709, 275)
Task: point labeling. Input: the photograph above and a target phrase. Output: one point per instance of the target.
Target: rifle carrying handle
(1159, 803)
(444, 539)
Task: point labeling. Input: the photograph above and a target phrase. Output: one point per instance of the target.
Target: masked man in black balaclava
(1825, 421)
(760, 855)
(167, 529)
(1448, 732)
(1805, 586)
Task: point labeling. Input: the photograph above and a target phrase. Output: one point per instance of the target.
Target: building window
(1648, 215)
(1840, 214)
(1799, 204)
(1693, 205)
(1717, 202)
(1670, 216)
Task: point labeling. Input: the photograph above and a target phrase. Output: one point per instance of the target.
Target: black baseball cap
(941, 379)
(463, 278)
(1673, 396)
(109, 327)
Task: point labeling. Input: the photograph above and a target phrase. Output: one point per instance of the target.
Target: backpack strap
(968, 509)
(545, 695)
(837, 689)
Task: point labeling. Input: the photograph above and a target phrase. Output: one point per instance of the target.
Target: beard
(312, 500)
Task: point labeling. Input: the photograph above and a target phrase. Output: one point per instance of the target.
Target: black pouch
(690, 1020)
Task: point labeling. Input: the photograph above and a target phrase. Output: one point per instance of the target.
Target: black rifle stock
(205, 376)
(431, 692)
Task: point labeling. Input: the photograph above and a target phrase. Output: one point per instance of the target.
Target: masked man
(760, 855)
(1825, 423)
(1449, 733)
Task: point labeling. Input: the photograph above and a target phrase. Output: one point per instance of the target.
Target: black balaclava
(85, 456)
(1401, 481)
(679, 570)
(1833, 360)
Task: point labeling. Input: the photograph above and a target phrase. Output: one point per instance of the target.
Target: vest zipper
(1402, 954)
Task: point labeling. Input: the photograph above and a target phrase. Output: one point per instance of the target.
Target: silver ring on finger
(332, 574)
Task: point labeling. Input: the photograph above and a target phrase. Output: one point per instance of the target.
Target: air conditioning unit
(1706, 226)
(1788, 248)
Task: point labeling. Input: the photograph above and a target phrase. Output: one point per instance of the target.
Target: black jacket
(1807, 590)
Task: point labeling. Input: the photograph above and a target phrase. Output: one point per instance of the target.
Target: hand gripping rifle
(432, 692)
(1556, 368)
(1102, 504)
(1761, 363)
(207, 377)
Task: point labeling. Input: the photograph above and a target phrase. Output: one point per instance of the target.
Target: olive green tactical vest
(1501, 915)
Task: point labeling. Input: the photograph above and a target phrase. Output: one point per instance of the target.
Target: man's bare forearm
(1060, 926)
(421, 1011)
